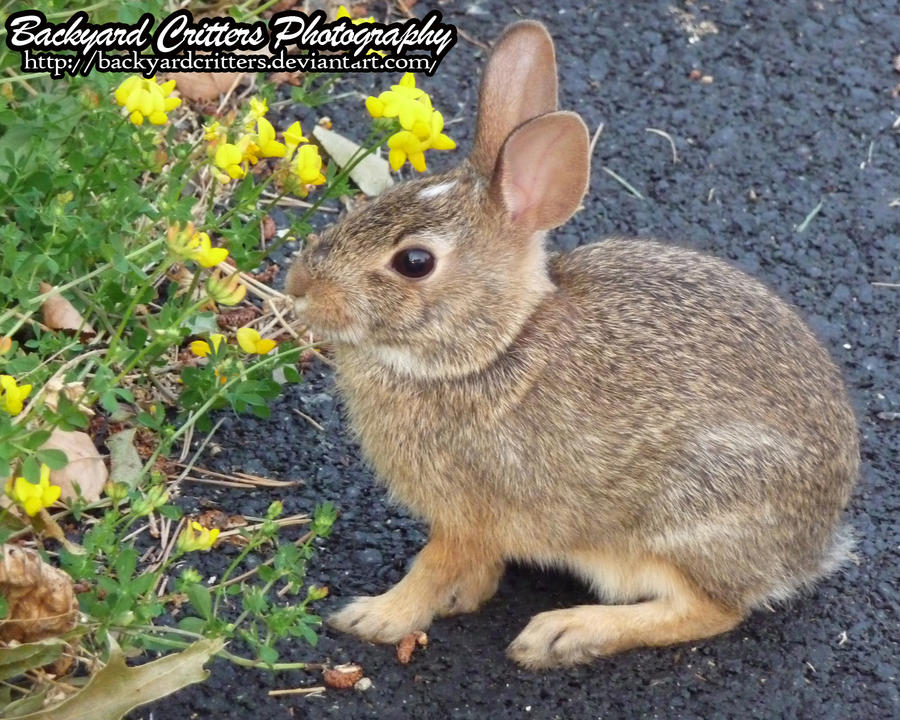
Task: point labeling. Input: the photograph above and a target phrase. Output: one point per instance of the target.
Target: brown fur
(648, 417)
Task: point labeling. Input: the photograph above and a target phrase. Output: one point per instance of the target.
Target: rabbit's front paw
(382, 618)
(554, 639)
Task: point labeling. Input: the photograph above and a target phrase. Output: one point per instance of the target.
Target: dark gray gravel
(798, 112)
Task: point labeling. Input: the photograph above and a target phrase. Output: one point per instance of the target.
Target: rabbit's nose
(298, 280)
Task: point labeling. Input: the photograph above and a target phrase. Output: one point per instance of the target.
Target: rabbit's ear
(543, 170)
(519, 83)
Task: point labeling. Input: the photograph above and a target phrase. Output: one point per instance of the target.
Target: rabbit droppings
(650, 418)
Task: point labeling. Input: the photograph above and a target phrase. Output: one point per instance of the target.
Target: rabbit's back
(660, 401)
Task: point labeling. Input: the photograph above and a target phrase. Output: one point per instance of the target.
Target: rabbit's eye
(413, 262)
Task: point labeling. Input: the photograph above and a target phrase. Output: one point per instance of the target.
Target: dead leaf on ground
(125, 464)
(85, 469)
(117, 689)
(341, 677)
(73, 391)
(237, 317)
(60, 314)
(40, 597)
(213, 519)
(204, 86)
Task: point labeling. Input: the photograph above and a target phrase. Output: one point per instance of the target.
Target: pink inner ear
(531, 170)
(543, 169)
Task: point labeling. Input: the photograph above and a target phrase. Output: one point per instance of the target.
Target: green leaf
(31, 470)
(54, 459)
(268, 655)
(192, 624)
(201, 599)
(266, 573)
(17, 660)
(142, 583)
(291, 374)
(4, 607)
(125, 565)
(170, 511)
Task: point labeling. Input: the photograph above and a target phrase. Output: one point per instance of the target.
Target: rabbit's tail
(837, 554)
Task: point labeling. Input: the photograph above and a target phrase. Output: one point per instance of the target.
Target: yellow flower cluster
(422, 125)
(12, 396)
(231, 161)
(196, 537)
(248, 339)
(144, 98)
(189, 244)
(33, 496)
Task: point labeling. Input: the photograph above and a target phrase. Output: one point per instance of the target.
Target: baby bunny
(649, 418)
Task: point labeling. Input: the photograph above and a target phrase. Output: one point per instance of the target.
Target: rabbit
(647, 417)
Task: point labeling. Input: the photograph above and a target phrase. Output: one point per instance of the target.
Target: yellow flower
(145, 98)
(293, 136)
(190, 245)
(421, 125)
(196, 537)
(12, 396)
(268, 146)
(229, 157)
(305, 170)
(225, 291)
(390, 102)
(409, 143)
(258, 108)
(251, 342)
(201, 348)
(33, 496)
(204, 253)
(214, 132)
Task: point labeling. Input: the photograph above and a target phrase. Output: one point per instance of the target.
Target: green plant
(125, 238)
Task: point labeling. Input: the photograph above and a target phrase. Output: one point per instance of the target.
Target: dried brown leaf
(73, 391)
(117, 689)
(85, 469)
(40, 597)
(341, 677)
(60, 314)
(237, 317)
(204, 86)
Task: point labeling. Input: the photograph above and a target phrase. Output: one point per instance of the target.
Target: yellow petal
(211, 257)
(375, 106)
(51, 495)
(247, 338)
(396, 158)
(200, 348)
(217, 339)
(265, 346)
(32, 505)
(417, 160)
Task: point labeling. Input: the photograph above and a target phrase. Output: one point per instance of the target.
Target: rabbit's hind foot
(581, 634)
